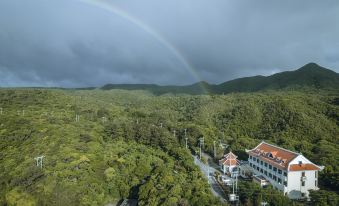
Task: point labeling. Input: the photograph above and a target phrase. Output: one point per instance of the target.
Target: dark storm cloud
(69, 43)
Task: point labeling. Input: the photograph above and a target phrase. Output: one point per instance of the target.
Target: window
(270, 166)
(250, 164)
(270, 175)
(279, 180)
(303, 174)
(261, 170)
(302, 194)
(258, 168)
(254, 158)
(250, 157)
(265, 172)
(302, 183)
(274, 177)
(316, 174)
(279, 171)
(300, 162)
(316, 183)
(285, 174)
(274, 169)
(261, 163)
(257, 160)
(265, 164)
(285, 183)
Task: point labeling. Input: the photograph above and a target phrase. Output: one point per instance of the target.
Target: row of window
(265, 164)
(267, 174)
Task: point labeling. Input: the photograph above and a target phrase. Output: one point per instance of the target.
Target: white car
(226, 180)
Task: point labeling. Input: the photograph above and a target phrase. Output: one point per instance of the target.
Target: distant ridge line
(310, 75)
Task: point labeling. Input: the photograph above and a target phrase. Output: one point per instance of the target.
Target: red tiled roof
(229, 159)
(301, 167)
(231, 162)
(230, 155)
(275, 155)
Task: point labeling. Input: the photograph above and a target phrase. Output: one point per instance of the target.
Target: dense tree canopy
(131, 144)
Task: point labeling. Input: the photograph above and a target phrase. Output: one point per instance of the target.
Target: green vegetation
(97, 161)
(311, 76)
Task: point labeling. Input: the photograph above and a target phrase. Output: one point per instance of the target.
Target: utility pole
(103, 119)
(39, 161)
(201, 144)
(186, 138)
(208, 174)
(77, 118)
(215, 152)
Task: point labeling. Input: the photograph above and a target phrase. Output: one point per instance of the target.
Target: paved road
(209, 172)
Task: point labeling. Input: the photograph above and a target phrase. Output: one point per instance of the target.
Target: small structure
(287, 171)
(228, 163)
(260, 180)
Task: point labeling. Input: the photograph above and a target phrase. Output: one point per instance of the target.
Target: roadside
(209, 171)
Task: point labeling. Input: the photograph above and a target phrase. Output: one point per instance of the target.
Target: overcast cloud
(70, 43)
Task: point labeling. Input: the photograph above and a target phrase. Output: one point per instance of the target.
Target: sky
(85, 43)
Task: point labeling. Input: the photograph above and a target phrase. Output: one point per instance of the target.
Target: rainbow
(155, 34)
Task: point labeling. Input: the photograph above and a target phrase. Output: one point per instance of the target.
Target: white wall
(300, 158)
(294, 188)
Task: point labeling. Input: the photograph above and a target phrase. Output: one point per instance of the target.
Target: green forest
(130, 144)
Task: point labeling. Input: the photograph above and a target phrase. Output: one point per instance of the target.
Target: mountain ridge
(310, 75)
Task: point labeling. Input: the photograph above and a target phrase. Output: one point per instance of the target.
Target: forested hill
(123, 144)
(309, 76)
(195, 89)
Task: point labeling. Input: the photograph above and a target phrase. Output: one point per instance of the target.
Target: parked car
(226, 180)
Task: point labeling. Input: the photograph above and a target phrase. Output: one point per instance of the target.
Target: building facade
(228, 163)
(287, 171)
(245, 171)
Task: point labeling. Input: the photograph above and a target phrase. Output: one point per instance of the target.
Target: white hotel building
(287, 171)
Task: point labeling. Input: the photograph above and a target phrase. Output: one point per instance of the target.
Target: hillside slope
(310, 76)
(132, 153)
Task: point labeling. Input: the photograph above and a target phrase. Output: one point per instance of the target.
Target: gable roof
(275, 155)
(302, 167)
(231, 162)
(229, 159)
(230, 155)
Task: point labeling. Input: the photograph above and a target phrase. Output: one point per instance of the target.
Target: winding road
(208, 171)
